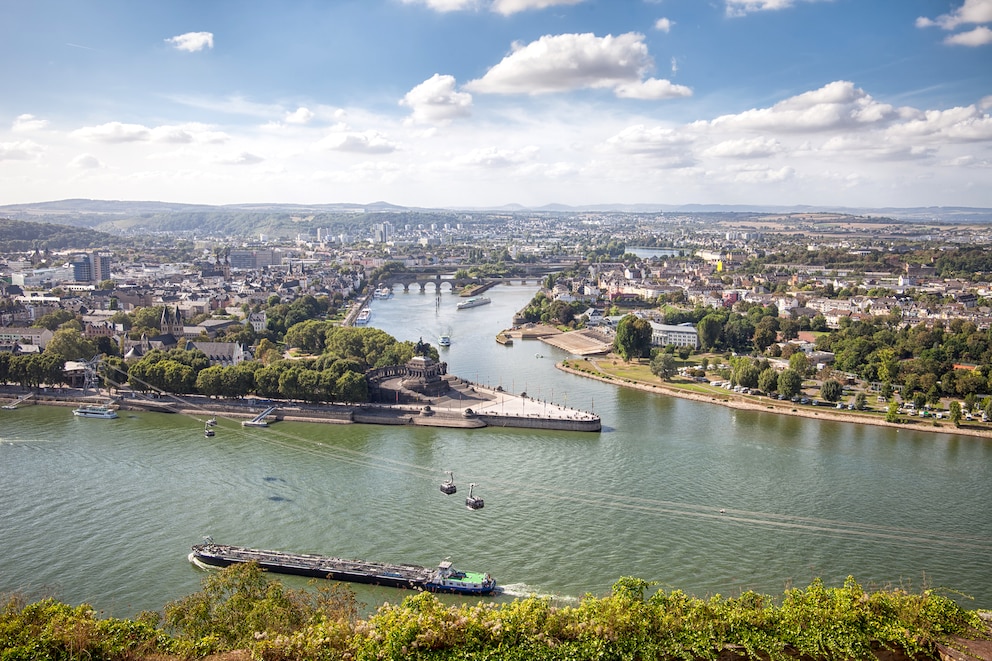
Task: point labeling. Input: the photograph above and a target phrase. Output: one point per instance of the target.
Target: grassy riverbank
(637, 374)
(240, 615)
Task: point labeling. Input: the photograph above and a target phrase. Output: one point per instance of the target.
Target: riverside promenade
(465, 406)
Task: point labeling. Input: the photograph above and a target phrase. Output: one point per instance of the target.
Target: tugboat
(443, 579)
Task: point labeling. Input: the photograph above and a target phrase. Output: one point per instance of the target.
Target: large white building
(680, 336)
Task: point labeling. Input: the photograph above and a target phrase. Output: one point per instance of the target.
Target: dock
(23, 398)
(259, 420)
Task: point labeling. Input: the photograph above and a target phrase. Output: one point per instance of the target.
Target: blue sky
(488, 102)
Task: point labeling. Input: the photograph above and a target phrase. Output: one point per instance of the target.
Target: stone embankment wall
(556, 424)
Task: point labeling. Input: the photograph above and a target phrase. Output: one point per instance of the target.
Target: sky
(480, 103)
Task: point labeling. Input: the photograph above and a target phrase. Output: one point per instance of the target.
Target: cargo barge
(443, 579)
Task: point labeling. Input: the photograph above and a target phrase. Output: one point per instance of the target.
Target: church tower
(172, 322)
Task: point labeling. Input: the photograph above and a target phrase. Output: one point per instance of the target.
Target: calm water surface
(104, 511)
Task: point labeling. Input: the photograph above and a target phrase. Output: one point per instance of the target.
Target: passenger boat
(94, 411)
(443, 579)
(364, 316)
(382, 292)
(474, 302)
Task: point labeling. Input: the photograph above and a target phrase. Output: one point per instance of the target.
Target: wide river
(689, 495)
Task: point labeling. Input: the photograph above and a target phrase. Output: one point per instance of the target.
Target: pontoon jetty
(443, 579)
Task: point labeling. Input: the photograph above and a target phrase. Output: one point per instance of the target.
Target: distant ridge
(130, 213)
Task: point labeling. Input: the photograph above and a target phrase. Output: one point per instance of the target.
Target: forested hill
(123, 217)
(21, 236)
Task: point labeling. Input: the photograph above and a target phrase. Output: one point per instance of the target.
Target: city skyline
(494, 102)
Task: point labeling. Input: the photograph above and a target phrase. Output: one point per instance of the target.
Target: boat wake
(522, 590)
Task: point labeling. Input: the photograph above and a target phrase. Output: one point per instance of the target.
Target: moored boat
(382, 293)
(443, 579)
(364, 316)
(94, 411)
(474, 302)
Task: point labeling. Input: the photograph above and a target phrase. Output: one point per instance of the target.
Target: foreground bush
(239, 608)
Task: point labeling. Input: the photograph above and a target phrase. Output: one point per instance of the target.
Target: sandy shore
(753, 403)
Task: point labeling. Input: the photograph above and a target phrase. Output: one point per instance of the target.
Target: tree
(861, 401)
(886, 391)
(70, 344)
(831, 390)
(210, 381)
(633, 339)
(54, 320)
(799, 363)
(956, 413)
(764, 336)
(234, 604)
(352, 387)
(789, 383)
(710, 330)
(892, 414)
(663, 366)
(745, 373)
(768, 380)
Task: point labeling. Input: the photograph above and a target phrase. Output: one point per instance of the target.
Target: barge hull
(313, 566)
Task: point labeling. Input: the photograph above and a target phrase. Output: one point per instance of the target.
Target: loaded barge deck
(443, 579)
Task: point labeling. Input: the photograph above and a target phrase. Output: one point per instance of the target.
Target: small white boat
(444, 340)
(474, 302)
(94, 411)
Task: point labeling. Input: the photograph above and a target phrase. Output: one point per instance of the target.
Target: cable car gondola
(471, 501)
(448, 486)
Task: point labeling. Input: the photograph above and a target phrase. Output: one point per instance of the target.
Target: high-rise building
(101, 266)
(82, 268)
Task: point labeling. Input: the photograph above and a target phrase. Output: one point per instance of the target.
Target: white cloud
(244, 158)
(22, 150)
(367, 142)
(299, 116)
(559, 63)
(505, 7)
(192, 42)
(652, 88)
(979, 36)
(114, 132)
(446, 5)
(745, 148)
(494, 157)
(971, 12)
(118, 132)
(640, 139)
(742, 7)
(436, 101)
(958, 125)
(86, 162)
(837, 105)
(663, 25)
(25, 123)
